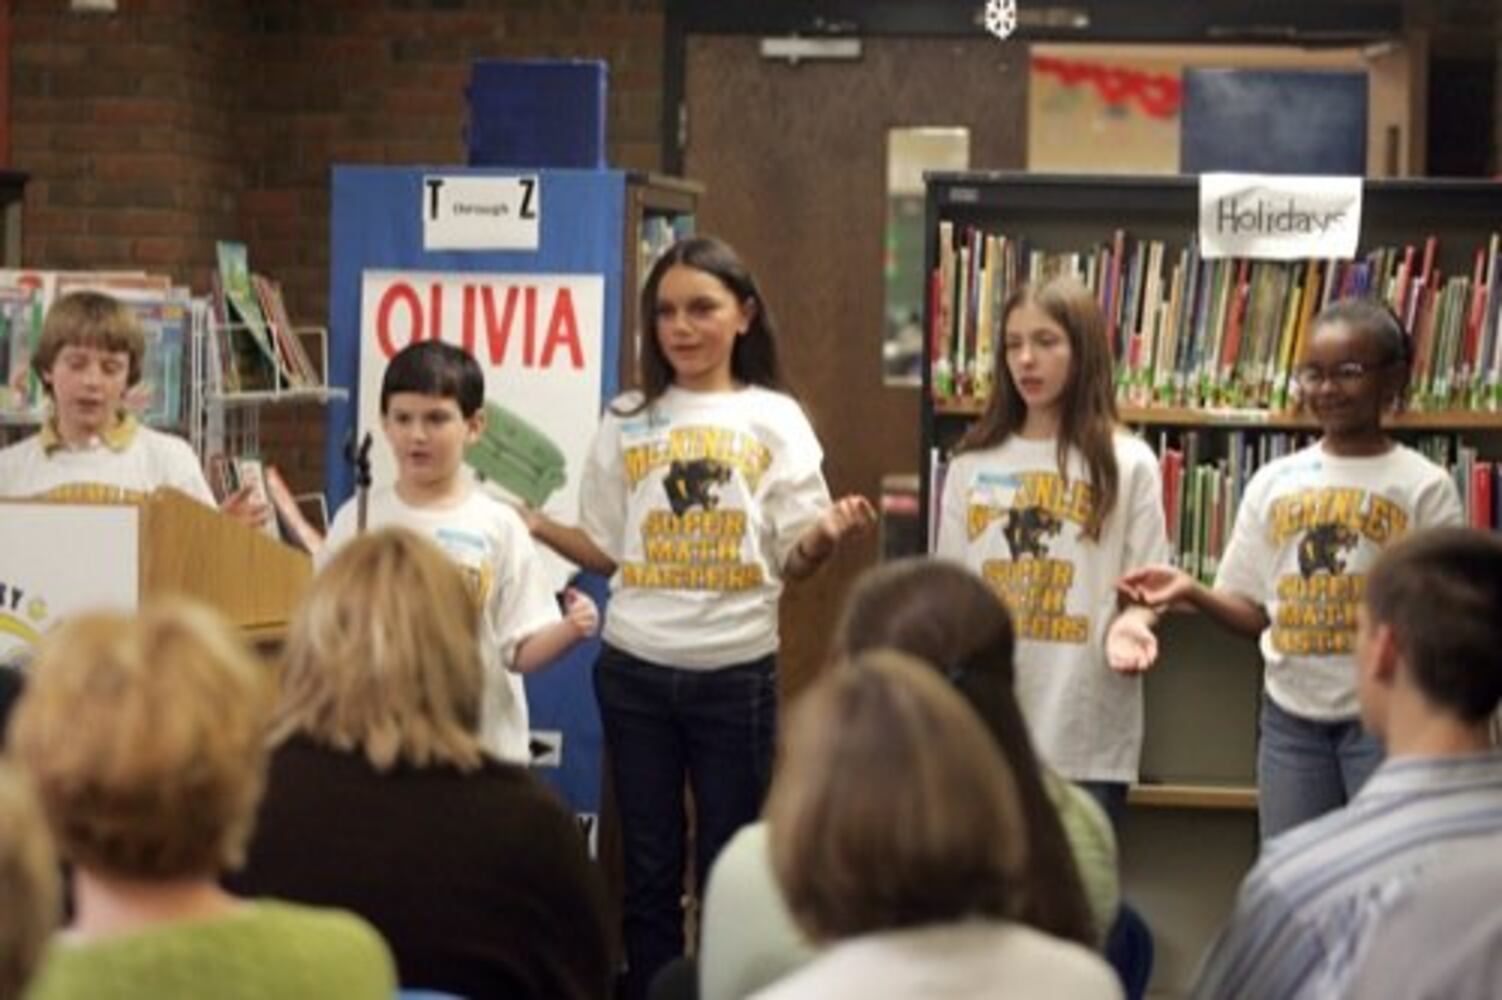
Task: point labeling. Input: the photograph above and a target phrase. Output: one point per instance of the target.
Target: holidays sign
(539, 341)
(1278, 217)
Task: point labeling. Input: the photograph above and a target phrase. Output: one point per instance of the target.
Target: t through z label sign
(470, 212)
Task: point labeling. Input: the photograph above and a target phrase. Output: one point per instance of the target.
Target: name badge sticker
(1279, 217)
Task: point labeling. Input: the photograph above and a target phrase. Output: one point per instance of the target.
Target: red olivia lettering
(435, 311)
(468, 319)
(563, 331)
(529, 311)
(398, 294)
(498, 334)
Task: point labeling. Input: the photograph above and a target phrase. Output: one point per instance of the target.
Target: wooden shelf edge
(1232, 797)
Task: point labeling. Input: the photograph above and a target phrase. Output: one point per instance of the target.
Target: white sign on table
(38, 588)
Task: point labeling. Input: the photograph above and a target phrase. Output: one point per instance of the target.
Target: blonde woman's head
(144, 736)
(384, 659)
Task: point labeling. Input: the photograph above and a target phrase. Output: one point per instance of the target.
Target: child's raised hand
(1131, 646)
(850, 516)
(847, 517)
(580, 611)
(1155, 586)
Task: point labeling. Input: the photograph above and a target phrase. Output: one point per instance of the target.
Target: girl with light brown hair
(1049, 499)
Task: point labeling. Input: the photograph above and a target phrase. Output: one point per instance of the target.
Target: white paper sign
(1275, 217)
(38, 589)
(467, 212)
(539, 340)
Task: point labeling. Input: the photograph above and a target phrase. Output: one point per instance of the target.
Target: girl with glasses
(1309, 527)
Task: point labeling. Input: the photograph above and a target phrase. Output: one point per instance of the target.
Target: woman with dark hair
(949, 619)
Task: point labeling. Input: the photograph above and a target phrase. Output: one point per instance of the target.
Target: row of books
(164, 311)
(1205, 476)
(1200, 497)
(1201, 490)
(255, 346)
(1190, 332)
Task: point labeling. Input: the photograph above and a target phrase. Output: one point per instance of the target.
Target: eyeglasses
(1346, 373)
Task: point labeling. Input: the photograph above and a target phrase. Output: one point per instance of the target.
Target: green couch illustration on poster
(517, 456)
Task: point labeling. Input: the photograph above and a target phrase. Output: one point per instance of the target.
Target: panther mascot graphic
(1321, 549)
(1026, 528)
(692, 484)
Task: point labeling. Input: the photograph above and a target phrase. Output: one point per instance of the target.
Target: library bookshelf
(1429, 247)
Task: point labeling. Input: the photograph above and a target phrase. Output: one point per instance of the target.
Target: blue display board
(377, 224)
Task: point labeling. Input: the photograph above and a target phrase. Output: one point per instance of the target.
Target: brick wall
(151, 132)
(126, 124)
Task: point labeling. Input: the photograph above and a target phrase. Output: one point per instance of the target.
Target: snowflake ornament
(1001, 18)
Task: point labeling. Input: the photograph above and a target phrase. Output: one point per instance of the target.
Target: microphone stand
(360, 459)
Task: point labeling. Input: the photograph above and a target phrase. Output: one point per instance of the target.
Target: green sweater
(262, 951)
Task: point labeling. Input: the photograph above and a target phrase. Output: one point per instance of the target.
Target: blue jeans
(662, 725)
(1306, 768)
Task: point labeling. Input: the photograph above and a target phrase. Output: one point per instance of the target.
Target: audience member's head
(1430, 628)
(894, 808)
(144, 736)
(948, 618)
(29, 900)
(384, 657)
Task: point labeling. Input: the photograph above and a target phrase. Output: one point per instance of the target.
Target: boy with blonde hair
(91, 448)
(432, 397)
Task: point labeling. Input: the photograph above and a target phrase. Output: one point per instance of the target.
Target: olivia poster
(539, 341)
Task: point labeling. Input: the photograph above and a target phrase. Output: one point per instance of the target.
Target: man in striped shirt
(1429, 662)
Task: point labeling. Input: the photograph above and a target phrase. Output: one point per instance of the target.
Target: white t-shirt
(977, 960)
(700, 499)
(491, 544)
(1010, 517)
(144, 460)
(1309, 527)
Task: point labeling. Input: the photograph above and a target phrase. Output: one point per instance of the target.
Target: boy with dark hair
(432, 397)
(1429, 677)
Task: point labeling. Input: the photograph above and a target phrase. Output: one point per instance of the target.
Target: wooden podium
(59, 557)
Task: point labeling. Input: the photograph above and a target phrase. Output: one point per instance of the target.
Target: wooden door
(794, 163)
